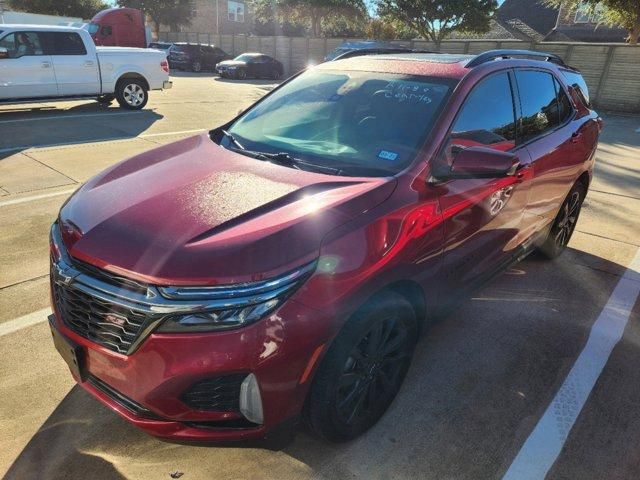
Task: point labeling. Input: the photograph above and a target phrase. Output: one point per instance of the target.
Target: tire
(275, 74)
(357, 381)
(105, 100)
(196, 66)
(132, 93)
(565, 223)
(241, 74)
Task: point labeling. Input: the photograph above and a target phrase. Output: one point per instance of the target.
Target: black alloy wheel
(564, 223)
(275, 74)
(241, 74)
(196, 66)
(363, 369)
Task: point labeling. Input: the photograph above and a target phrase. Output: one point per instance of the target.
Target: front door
(483, 216)
(76, 68)
(27, 72)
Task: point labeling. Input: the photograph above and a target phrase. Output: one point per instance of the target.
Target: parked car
(119, 27)
(371, 45)
(55, 63)
(286, 262)
(361, 52)
(254, 65)
(195, 57)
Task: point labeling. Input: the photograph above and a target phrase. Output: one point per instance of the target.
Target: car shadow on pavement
(480, 380)
(79, 124)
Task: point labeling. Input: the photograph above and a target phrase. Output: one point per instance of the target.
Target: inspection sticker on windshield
(387, 155)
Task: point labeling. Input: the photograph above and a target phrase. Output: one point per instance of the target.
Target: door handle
(523, 173)
(88, 63)
(46, 64)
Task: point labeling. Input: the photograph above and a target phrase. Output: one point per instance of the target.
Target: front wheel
(132, 94)
(241, 74)
(363, 369)
(275, 75)
(564, 223)
(196, 66)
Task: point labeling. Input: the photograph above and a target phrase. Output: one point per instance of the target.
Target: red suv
(285, 263)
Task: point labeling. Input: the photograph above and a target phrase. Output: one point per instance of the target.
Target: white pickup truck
(40, 63)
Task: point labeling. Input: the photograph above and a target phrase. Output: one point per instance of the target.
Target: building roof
(532, 13)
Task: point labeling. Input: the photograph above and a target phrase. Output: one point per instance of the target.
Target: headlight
(232, 306)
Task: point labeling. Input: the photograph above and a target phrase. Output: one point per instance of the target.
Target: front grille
(218, 394)
(88, 316)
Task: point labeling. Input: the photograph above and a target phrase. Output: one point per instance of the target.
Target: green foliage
(162, 12)
(67, 8)
(623, 13)
(316, 14)
(435, 19)
(386, 28)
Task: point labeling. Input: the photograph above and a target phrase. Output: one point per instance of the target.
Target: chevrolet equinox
(282, 265)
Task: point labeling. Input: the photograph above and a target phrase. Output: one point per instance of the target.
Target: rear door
(76, 68)
(551, 134)
(28, 71)
(483, 216)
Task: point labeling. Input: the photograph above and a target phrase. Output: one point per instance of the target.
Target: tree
(162, 12)
(435, 19)
(68, 8)
(386, 28)
(624, 13)
(313, 12)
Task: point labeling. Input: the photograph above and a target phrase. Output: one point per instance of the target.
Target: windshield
(362, 123)
(93, 28)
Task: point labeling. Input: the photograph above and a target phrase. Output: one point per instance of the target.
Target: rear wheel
(564, 223)
(275, 74)
(196, 66)
(132, 93)
(363, 369)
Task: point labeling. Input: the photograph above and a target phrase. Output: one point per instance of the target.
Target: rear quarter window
(576, 81)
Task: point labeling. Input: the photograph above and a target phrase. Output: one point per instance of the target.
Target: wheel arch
(133, 75)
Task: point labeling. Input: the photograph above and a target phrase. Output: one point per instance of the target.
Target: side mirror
(482, 162)
(4, 53)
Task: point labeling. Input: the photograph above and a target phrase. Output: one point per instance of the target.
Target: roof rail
(493, 54)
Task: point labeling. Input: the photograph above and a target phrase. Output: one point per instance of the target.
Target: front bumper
(280, 350)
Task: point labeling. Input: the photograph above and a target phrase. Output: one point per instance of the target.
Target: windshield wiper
(280, 158)
(233, 139)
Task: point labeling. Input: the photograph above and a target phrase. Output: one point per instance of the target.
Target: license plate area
(71, 352)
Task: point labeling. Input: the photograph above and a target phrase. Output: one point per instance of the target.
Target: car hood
(194, 213)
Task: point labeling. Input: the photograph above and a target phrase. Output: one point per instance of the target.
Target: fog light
(250, 399)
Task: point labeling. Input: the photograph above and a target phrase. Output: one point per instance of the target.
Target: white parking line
(24, 321)
(545, 442)
(171, 133)
(64, 117)
(32, 198)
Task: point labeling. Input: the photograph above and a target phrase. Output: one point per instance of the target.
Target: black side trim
(122, 400)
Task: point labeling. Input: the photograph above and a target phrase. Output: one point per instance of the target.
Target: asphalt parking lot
(483, 382)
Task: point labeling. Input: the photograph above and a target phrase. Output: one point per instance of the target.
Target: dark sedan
(253, 65)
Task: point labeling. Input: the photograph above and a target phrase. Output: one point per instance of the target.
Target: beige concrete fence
(612, 71)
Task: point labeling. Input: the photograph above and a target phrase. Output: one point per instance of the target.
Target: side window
(66, 43)
(487, 118)
(218, 51)
(540, 112)
(564, 104)
(22, 44)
